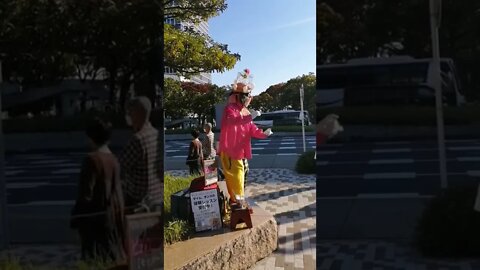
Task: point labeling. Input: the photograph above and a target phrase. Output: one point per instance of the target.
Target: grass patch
(175, 230)
(306, 163)
(406, 115)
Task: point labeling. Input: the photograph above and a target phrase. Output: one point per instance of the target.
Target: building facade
(202, 78)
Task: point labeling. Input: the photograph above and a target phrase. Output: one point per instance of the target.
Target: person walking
(208, 142)
(195, 154)
(98, 213)
(142, 158)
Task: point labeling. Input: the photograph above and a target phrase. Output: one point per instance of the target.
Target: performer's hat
(243, 83)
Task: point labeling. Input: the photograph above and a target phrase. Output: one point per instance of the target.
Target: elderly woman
(98, 214)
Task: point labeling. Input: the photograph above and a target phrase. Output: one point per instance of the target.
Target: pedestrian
(98, 213)
(142, 158)
(235, 137)
(195, 154)
(208, 142)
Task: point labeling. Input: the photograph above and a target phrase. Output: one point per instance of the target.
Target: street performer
(235, 136)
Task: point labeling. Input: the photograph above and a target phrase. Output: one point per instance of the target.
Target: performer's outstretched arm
(255, 132)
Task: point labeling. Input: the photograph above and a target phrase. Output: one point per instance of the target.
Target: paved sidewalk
(372, 255)
(291, 199)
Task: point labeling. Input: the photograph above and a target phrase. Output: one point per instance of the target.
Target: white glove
(255, 114)
(329, 125)
(268, 132)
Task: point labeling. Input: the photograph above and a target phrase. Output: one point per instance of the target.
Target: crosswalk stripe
(25, 185)
(49, 161)
(464, 148)
(466, 159)
(326, 152)
(389, 195)
(473, 173)
(387, 143)
(67, 171)
(393, 175)
(287, 147)
(390, 161)
(392, 150)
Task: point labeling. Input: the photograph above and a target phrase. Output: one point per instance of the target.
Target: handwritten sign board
(145, 241)
(210, 170)
(206, 210)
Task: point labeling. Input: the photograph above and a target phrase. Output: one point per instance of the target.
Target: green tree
(262, 102)
(287, 95)
(47, 40)
(368, 28)
(193, 10)
(188, 52)
(176, 100)
(203, 98)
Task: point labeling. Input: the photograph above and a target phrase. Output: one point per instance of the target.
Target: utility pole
(302, 115)
(435, 18)
(4, 241)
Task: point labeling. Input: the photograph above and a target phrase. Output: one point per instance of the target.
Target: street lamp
(435, 18)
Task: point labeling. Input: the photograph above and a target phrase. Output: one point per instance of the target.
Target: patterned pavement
(291, 199)
(372, 255)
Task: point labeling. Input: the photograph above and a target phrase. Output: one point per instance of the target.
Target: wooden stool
(240, 216)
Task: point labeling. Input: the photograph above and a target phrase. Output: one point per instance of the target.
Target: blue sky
(275, 38)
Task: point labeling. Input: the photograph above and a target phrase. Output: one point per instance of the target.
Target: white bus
(282, 118)
(385, 81)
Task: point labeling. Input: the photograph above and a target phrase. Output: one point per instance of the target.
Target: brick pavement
(291, 198)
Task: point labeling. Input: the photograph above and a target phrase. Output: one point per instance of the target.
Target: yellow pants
(234, 171)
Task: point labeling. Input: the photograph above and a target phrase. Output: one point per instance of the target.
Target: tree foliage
(183, 99)
(47, 40)
(369, 28)
(193, 10)
(287, 96)
(187, 51)
(190, 53)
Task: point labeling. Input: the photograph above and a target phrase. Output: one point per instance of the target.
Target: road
(351, 169)
(50, 178)
(273, 145)
(393, 169)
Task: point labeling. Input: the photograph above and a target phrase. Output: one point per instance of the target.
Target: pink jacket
(236, 133)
